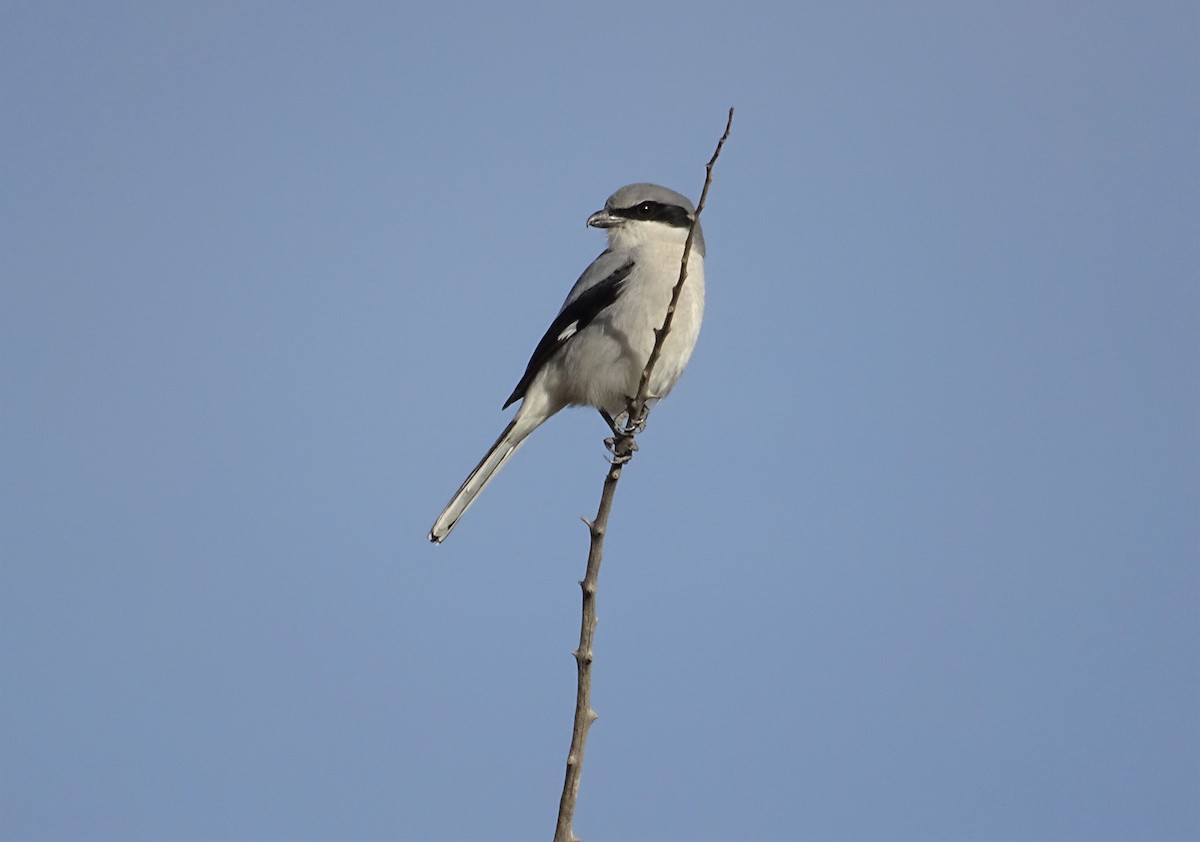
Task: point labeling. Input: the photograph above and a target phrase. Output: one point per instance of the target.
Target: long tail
(514, 434)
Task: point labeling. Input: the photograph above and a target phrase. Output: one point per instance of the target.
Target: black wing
(573, 317)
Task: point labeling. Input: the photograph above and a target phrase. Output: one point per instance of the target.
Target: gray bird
(594, 351)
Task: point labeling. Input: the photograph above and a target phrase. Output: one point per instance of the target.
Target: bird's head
(642, 213)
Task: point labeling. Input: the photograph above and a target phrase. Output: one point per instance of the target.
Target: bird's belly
(603, 365)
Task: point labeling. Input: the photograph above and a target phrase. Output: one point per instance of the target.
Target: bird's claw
(614, 424)
(622, 444)
(635, 426)
(623, 456)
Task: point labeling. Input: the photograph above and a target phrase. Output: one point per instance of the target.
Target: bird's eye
(646, 207)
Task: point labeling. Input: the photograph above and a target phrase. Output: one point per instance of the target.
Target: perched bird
(594, 351)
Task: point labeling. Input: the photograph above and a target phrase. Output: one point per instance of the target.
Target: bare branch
(624, 446)
(638, 408)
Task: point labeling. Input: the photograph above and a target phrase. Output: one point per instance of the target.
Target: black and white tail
(514, 434)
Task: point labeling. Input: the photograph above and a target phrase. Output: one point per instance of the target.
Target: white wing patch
(569, 331)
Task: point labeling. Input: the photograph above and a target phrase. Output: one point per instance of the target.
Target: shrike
(594, 351)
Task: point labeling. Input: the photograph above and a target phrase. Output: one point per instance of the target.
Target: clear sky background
(911, 553)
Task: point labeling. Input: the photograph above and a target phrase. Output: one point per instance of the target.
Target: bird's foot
(622, 447)
(635, 424)
(614, 424)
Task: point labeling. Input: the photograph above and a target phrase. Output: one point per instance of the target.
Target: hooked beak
(603, 219)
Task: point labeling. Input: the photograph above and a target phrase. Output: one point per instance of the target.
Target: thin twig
(623, 449)
(638, 407)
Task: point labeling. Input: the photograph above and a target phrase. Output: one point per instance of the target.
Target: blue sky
(911, 553)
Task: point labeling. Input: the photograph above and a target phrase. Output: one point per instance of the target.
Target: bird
(595, 349)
